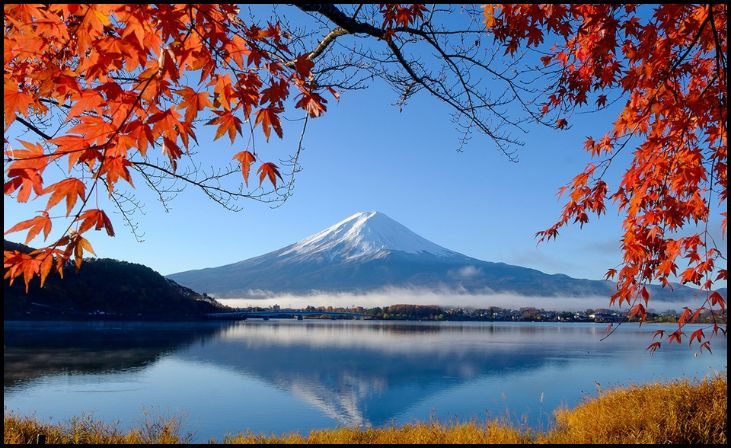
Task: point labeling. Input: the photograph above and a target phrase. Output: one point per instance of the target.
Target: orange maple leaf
(95, 218)
(269, 170)
(227, 122)
(193, 102)
(246, 158)
(70, 189)
(35, 225)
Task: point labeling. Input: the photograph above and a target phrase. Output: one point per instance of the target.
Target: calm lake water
(281, 376)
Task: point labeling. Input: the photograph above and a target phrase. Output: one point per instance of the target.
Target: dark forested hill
(104, 288)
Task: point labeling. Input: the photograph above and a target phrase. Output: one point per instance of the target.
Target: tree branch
(28, 125)
(322, 46)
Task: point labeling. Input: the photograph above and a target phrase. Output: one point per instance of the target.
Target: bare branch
(32, 128)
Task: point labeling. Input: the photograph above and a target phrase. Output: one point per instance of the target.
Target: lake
(288, 375)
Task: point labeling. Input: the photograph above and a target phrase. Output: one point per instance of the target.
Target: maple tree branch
(156, 185)
(294, 161)
(357, 10)
(343, 21)
(119, 198)
(614, 328)
(322, 46)
(326, 41)
(215, 192)
(720, 67)
(28, 125)
(697, 36)
(451, 101)
(464, 98)
(54, 102)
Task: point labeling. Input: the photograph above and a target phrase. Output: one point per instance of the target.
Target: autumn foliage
(123, 84)
(128, 80)
(668, 67)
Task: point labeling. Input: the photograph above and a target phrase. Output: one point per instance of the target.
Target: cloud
(396, 296)
(467, 271)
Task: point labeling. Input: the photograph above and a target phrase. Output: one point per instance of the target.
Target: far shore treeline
(489, 314)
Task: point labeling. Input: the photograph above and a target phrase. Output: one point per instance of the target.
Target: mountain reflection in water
(351, 373)
(362, 375)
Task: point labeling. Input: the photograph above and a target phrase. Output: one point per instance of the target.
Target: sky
(365, 154)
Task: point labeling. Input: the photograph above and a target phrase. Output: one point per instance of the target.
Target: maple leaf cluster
(398, 16)
(128, 79)
(401, 15)
(670, 69)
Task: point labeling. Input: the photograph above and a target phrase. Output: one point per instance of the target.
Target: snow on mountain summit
(364, 235)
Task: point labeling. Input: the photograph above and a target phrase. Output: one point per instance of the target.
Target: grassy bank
(678, 412)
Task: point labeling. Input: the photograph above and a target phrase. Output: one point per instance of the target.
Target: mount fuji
(369, 251)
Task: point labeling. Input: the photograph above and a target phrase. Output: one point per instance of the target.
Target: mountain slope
(104, 288)
(370, 251)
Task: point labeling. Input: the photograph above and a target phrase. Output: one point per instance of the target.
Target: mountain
(103, 289)
(370, 251)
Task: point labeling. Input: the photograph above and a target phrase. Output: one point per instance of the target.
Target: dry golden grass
(413, 433)
(87, 430)
(678, 412)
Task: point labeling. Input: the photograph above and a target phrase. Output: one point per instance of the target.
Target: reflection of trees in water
(410, 327)
(36, 349)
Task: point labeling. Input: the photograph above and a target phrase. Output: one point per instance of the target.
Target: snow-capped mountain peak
(371, 252)
(364, 235)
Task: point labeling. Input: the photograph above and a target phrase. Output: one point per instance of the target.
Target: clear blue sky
(364, 154)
